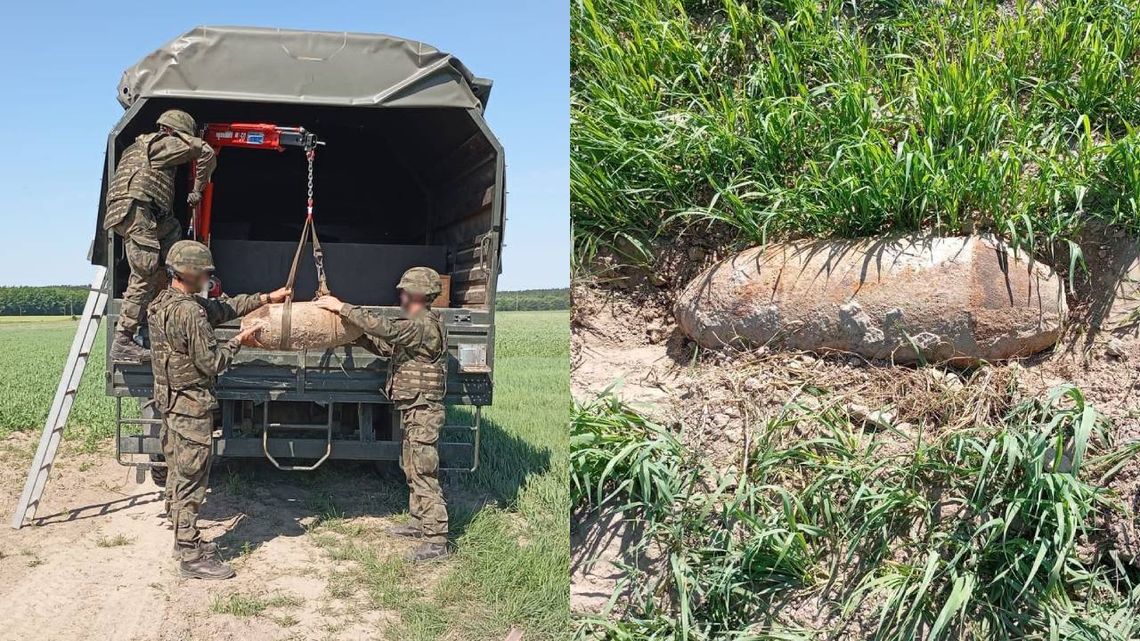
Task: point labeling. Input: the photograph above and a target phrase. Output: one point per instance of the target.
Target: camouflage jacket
(185, 354)
(146, 173)
(415, 349)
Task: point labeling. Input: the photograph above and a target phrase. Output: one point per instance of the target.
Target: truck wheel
(148, 409)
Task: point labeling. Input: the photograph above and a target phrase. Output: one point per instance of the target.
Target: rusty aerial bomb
(939, 299)
(310, 328)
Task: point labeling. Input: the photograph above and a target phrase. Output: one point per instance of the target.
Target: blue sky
(62, 62)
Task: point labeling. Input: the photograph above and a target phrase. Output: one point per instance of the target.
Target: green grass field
(32, 353)
(512, 557)
(9, 320)
(786, 118)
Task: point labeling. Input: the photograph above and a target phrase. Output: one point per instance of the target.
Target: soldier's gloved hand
(193, 198)
(329, 302)
(279, 295)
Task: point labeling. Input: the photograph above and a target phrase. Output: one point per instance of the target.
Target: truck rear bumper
(347, 431)
(452, 455)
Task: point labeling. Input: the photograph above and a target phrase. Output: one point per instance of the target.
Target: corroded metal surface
(311, 328)
(904, 299)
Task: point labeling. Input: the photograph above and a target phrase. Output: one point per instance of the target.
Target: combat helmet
(421, 280)
(179, 120)
(189, 256)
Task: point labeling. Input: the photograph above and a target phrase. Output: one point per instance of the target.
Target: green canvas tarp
(210, 66)
(309, 67)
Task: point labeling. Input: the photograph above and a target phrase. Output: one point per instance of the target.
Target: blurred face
(410, 302)
(195, 281)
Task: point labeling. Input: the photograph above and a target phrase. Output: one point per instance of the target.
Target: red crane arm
(249, 136)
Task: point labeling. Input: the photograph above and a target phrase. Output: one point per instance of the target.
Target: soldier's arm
(178, 150)
(393, 331)
(209, 358)
(227, 308)
(207, 161)
(374, 345)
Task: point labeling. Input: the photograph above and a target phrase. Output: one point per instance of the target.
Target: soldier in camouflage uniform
(140, 204)
(417, 372)
(187, 360)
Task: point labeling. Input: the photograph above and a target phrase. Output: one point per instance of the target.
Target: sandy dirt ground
(98, 564)
(628, 345)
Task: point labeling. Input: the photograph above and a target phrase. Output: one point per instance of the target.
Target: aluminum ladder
(64, 398)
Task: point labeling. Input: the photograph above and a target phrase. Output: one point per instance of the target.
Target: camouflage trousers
(188, 447)
(168, 456)
(422, 422)
(145, 241)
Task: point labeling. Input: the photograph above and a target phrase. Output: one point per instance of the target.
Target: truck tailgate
(344, 374)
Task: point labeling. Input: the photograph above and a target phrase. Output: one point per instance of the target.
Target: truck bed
(344, 374)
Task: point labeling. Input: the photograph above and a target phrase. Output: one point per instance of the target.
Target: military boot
(206, 566)
(125, 350)
(409, 531)
(207, 548)
(428, 552)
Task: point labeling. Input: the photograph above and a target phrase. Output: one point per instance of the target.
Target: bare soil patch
(98, 564)
(605, 550)
(629, 344)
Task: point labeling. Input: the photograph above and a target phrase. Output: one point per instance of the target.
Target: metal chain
(318, 253)
(311, 154)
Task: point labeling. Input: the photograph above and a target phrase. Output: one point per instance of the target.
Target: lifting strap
(309, 231)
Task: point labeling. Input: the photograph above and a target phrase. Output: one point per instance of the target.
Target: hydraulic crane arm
(259, 136)
(248, 136)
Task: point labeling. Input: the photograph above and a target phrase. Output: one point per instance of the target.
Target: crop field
(786, 118)
(512, 552)
(32, 353)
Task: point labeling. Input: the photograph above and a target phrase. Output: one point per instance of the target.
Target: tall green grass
(987, 532)
(785, 118)
(617, 454)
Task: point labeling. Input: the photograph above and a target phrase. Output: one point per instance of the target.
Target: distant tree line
(533, 300)
(54, 300)
(69, 299)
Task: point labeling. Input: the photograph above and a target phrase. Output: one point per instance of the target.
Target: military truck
(407, 172)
